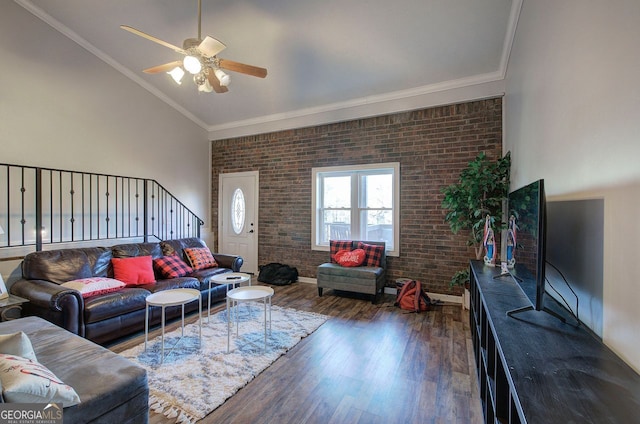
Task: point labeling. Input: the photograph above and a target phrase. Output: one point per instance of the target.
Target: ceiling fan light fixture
(177, 73)
(206, 87)
(192, 64)
(224, 78)
(199, 79)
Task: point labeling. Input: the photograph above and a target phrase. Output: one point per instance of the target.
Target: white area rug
(194, 380)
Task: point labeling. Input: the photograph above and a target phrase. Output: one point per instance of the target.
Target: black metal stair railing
(41, 206)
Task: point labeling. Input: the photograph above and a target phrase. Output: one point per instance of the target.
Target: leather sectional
(107, 317)
(111, 388)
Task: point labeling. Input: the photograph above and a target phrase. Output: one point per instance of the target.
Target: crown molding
(367, 106)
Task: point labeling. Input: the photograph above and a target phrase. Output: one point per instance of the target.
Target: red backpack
(412, 298)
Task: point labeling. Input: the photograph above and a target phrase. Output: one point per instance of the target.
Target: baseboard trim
(307, 280)
(447, 298)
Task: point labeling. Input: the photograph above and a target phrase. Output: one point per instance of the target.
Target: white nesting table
(233, 279)
(174, 297)
(248, 294)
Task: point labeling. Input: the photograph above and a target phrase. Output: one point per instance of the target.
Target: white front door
(238, 217)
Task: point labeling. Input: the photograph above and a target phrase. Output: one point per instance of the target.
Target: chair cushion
(109, 305)
(361, 272)
(62, 265)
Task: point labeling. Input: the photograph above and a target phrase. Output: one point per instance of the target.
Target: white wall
(62, 107)
(572, 117)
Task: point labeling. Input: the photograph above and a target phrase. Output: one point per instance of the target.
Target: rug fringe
(160, 406)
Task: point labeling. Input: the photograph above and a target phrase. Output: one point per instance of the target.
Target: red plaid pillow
(200, 257)
(171, 267)
(336, 245)
(373, 254)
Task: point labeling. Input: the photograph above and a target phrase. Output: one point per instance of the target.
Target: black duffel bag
(278, 274)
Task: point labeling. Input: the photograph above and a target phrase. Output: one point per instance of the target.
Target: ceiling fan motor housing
(190, 43)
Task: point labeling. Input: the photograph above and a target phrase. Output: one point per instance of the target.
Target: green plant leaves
(480, 191)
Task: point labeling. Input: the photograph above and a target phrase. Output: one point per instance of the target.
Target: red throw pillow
(350, 257)
(200, 257)
(336, 245)
(133, 271)
(374, 254)
(171, 267)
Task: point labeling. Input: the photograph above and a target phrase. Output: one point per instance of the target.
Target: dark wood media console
(533, 368)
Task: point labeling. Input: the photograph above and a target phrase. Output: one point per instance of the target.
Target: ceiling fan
(200, 60)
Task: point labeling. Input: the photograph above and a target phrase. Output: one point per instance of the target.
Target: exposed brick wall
(432, 145)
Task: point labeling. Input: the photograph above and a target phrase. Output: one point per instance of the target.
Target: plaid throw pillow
(373, 254)
(337, 245)
(171, 267)
(200, 257)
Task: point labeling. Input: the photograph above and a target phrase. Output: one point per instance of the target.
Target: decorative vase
(489, 242)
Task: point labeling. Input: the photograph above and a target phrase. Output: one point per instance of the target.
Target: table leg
(237, 306)
(182, 331)
(162, 358)
(269, 315)
(146, 326)
(200, 318)
(228, 326)
(209, 304)
(265, 324)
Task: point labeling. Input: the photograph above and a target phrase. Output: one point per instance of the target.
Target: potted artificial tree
(479, 192)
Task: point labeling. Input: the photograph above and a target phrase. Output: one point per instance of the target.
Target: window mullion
(355, 205)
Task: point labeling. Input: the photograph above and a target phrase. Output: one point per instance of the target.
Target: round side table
(233, 279)
(174, 297)
(248, 294)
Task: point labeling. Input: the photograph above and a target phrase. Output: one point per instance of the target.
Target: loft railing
(41, 206)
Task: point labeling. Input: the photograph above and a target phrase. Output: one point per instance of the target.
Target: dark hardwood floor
(367, 364)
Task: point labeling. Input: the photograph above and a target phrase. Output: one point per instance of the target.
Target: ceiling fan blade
(211, 47)
(152, 38)
(215, 83)
(163, 68)
(242, 68)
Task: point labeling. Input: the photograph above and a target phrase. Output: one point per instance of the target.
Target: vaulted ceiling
(320, 55)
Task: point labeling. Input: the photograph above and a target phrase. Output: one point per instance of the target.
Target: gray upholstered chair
(362, 279)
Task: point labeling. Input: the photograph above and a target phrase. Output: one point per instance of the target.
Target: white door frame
(221, 212)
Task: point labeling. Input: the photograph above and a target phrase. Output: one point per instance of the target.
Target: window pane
(356, 203)
(379, 226)
(378, 191)
(337, 225)
(337, 192)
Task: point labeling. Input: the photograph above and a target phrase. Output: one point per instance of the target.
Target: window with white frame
(356, 202)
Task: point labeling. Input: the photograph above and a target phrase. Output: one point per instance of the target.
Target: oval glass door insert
(237, 211)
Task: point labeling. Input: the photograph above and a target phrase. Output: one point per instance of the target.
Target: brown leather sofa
(110, 316)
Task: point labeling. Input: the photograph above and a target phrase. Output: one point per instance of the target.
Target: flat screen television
(526, 239)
